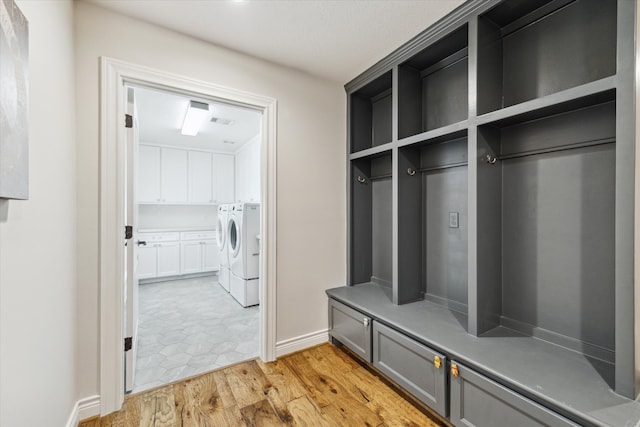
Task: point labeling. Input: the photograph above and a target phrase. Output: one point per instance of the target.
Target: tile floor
(190, 326)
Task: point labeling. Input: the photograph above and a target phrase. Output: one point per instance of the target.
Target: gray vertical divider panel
(489, 231)
(395, 283)
(410, 230)
(627, 380)
(472, 175)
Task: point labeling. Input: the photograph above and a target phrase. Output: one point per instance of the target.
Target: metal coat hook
(491, 159)
(361, 179)
(411, 171)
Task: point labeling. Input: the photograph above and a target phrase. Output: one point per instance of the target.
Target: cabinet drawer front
(197, 235)
(479, 401)
(351, 328)
(159, 237)
(411, 365)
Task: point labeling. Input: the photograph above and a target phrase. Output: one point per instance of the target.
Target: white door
(173, 174)
(223, 178)
(200, 177)
(131, 248)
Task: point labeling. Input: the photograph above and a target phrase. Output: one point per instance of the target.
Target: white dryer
(244, 252)
(224, 274)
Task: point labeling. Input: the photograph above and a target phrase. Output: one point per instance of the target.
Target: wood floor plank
(305, 414)
(321, 386)
(260, 414)
(280, 376)
(390, 407)
(247, 382)
(224, 391)
(334, 388)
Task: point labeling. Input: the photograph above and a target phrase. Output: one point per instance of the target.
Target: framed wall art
(14, 102)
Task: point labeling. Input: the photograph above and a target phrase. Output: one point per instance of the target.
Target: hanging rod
(566, 147)
(440, 167)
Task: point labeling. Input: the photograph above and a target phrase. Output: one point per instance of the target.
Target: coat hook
(361, 179)
(491, 159)
(411, 171)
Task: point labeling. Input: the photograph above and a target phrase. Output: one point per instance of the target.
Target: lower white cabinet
(159, 259)
(172, 254)
(199, 256)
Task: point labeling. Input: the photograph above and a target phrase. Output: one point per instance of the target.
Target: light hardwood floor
(321, 386)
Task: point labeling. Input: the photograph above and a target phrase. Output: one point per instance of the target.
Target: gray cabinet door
(480, 402)
(417, 368)
(351, 328)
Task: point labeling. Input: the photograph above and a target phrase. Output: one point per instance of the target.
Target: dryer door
(221, 233)
(234, 236)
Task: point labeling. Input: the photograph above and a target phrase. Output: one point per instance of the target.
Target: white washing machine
(224, 274)
(244, 252)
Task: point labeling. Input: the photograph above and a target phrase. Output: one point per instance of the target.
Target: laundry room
(195, 171)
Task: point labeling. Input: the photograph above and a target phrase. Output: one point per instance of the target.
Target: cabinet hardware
(411, 171)
(365, 322)
(142, 243)
(437, 362)
(454, 370)
(491, 159)
(361, 179)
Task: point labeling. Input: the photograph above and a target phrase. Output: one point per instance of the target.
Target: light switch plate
(453, 220)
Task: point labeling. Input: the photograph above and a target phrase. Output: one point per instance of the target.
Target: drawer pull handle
(454, 370)
(437, 362)
(365, 322)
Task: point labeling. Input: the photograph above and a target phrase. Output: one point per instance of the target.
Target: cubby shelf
(505, 200)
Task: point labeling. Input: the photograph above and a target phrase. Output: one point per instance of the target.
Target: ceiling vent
(221, 121)
(229, 142)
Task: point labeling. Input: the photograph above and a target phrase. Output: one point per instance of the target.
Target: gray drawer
(351, 328)
(411, 365)
(479, 401)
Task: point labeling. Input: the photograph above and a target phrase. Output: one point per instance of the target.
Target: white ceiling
(160, 116)
(334, 39)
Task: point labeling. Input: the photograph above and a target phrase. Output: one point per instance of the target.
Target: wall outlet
(453, 220)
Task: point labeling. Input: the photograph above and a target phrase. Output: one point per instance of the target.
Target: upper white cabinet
(248, 172)
(223, 178)
(200, 174)
(178, 176)
(173, 176)
(149, 174)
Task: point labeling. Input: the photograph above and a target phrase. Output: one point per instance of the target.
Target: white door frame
(113, 76)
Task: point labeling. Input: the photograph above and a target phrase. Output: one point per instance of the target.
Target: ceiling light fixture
(197, 113)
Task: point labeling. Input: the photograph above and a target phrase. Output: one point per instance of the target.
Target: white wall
(311, 166)
(37, 238)
(177, 216)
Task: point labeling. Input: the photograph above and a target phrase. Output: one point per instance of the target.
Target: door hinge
(128, 121)
(128, 343)
(128, 232)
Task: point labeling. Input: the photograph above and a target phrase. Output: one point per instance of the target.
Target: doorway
(115, 75)
(192, 174)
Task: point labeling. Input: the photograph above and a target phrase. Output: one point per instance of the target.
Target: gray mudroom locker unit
(491, 171)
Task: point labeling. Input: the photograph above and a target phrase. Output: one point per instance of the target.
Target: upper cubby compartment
(433, 85)
(370, 120)
(371, 220)
(529, 49)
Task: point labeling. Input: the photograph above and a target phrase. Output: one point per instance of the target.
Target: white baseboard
(300, 343)
(83, 409)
